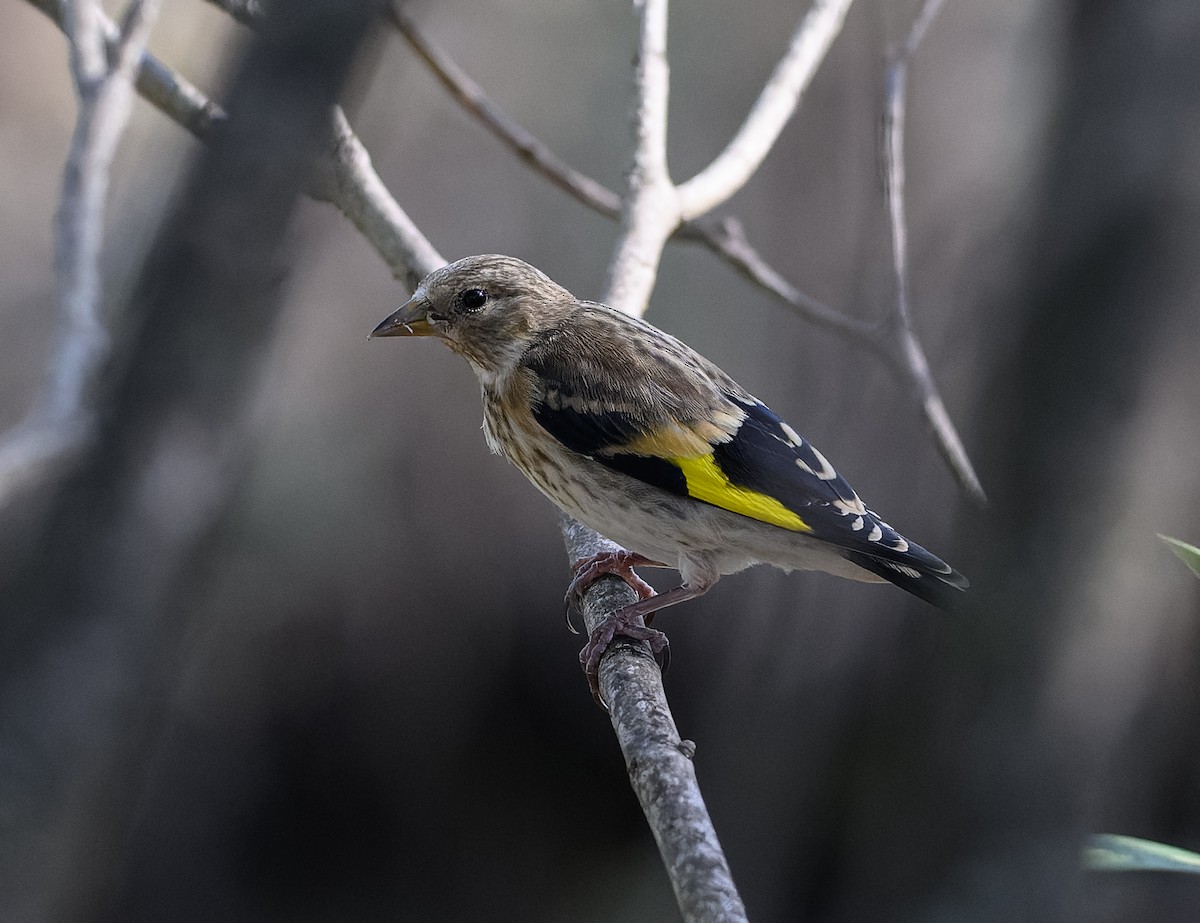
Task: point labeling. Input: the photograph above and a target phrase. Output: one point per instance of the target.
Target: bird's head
(485, 308)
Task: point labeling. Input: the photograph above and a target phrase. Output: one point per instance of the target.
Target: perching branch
(103, 60)
(660, 764)
(658, 761)
(724, 237)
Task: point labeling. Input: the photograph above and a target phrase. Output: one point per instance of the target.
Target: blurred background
(355, 697)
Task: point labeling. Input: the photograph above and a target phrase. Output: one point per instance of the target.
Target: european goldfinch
(644, 440)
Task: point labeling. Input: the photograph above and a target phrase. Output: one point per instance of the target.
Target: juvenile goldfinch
(641, 438)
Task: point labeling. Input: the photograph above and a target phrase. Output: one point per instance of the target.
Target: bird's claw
(587, 571)
(624, 623)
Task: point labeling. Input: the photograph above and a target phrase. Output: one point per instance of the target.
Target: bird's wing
(769, 457)
(652, 408)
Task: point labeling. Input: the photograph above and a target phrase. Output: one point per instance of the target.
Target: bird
(636, 435)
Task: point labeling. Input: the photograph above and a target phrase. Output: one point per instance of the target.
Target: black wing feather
(771, 458)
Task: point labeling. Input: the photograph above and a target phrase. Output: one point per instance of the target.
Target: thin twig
(473, 99)
(157, 83)
(779, 98)
(908, 345)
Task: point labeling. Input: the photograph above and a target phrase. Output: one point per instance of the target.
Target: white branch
(348, 180)
(774, 107)
(103, 68)
(105, 100)
(651, 207)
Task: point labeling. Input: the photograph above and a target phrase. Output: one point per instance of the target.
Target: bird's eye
(473, 299)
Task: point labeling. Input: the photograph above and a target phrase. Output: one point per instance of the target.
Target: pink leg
(627, 622)
(588, 570)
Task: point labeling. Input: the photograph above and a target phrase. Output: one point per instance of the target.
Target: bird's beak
(409, 320)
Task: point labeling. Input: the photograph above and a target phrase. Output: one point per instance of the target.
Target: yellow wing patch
(664, 442)
(677, 440)
(707, 482)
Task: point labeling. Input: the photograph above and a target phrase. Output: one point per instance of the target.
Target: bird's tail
(919, 572)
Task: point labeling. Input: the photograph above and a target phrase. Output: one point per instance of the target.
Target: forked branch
(104, 60)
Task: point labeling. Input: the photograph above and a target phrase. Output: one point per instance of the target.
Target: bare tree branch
(650, 206)
(473, 99)
(660, 764)
(725, 237)
(105, 94)
(158, 84)
(911, 352)
(774, 107)
(356, 190)
(103, 62)
(346, 179)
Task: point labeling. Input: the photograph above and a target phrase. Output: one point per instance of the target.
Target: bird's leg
(627, 622)
(588, 570)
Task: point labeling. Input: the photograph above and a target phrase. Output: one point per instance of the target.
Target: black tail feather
(941, 589)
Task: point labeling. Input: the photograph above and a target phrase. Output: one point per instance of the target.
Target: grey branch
(473, 99)
(355, 189)
(659, 762)
(157, 83)
(103, 60)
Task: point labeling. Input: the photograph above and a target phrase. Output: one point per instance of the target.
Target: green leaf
(1110, 852)
(1189, 554)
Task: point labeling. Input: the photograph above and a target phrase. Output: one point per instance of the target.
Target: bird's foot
(588, 570)
(624, 623)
